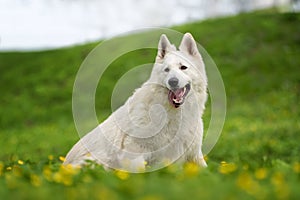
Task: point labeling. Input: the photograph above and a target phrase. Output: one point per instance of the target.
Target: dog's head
(179, 71)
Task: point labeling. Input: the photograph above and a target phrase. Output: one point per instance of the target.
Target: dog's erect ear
(189, 45)
(164, 46)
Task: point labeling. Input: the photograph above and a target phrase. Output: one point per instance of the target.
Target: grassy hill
(256, 157)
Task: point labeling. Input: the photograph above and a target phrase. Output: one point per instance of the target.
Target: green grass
(258, 57)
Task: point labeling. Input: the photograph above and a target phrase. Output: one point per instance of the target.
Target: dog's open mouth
(176, 97)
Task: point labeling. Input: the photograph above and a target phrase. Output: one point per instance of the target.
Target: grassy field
(256, 157)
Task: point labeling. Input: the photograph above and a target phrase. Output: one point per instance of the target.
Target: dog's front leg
(200, 159)
(197, 158)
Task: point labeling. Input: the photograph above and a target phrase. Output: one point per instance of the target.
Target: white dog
(160, 123)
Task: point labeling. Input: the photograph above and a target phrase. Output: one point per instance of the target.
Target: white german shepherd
(160, 123)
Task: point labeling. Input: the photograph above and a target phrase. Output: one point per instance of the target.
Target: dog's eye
(183, 67)
(166, 69)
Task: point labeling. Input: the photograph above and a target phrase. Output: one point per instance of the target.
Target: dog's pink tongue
(176, 95)
(179, 94)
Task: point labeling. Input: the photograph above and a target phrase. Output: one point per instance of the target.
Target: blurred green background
(256, 157)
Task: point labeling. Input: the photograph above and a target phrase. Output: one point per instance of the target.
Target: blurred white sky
(42, 24)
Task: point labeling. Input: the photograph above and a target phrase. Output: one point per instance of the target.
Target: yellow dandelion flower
(277, 179)
(60, 178)
(248, 184)
(223, 162)
(65, 174)
(296, 167)
(281, 188)
(227, 168)
(50, 157)
(69, 169)
(57, 177)
(9, 168)
(67, 181)
(20, 162)
(191, 169)
(206, 158)
(47, 172)
(261, 173)
(35, 180)
(122, 174)
(61, 158)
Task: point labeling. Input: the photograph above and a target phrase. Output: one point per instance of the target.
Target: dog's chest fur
(174, 129)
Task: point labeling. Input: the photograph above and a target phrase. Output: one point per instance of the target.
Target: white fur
(147, 130)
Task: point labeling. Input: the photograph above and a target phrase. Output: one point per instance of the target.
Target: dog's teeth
(177, 101)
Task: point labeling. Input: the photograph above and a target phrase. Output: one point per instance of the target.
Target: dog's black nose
(173, 82)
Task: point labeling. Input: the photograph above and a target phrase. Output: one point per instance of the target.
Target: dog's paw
(137, 164)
